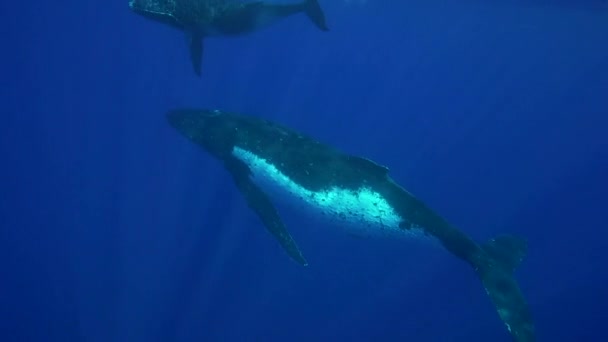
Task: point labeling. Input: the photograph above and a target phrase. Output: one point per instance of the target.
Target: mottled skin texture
(316, 166)
(204, 18)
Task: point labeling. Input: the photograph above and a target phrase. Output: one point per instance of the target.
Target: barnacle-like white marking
(363, 208)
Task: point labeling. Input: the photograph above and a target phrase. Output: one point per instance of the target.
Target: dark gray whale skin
(317, 167)
(206, 18)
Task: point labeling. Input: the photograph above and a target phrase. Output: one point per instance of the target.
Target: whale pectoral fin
(315, 13)
(263, 207)
(196, 52)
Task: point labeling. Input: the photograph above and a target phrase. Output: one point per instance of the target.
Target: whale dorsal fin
(368, 165)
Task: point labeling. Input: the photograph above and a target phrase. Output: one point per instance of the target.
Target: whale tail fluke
(315, 13)
(499, 259)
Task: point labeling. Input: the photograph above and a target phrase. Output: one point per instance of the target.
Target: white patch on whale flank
(362, 209)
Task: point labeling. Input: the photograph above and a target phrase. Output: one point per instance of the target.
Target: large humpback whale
(269, 162)
(205, 18)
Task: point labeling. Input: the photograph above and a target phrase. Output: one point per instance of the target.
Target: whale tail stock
(495, 265)
(315, 13)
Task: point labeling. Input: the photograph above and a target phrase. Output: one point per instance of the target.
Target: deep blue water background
(113, 227)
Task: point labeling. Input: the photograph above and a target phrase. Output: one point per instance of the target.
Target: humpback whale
(207, 18)
(269, 162)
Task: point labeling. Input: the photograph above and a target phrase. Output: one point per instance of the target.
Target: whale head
(213, 130)
(158, 10)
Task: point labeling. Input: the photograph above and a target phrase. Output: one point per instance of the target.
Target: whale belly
(361, 210)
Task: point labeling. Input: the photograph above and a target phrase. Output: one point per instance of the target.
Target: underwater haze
(114, 227)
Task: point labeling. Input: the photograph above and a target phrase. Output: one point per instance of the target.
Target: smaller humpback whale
(270, 163)
(207, 18)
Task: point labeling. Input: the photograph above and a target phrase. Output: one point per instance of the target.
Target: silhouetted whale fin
(259, 202)
(196, 52)
(495, 268)
(315, 13)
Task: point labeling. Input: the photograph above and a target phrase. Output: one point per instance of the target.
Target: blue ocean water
(113, 227)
